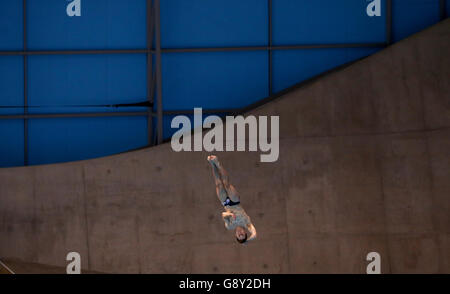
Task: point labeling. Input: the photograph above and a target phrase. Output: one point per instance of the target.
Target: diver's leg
(231, 190)
(220, 188)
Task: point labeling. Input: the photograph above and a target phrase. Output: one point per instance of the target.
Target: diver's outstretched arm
(252, 230)
(227, 219)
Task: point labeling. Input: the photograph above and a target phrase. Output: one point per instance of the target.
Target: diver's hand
(228, 215)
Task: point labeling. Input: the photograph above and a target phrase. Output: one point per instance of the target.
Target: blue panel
(197, 23)
(11, 140)
(326, 21)
(294, 66)
(68, 139)
(448, 7)
(102, 24)
(214, 80)
(87, 79)
(411, 16)
(11, 81)
(11, 25)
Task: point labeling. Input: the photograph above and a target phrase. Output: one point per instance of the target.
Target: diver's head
(241, 235)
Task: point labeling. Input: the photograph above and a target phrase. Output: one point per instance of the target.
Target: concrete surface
(364, 166)
(15, 266)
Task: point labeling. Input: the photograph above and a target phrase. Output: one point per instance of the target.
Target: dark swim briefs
(228, 202)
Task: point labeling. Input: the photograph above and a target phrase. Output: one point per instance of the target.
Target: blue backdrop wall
(67, 83)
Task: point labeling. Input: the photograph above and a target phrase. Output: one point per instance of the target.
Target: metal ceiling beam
(204, 111)
(442, 9)
(150, 89)
(327, 46)
(106, 114)
(388, 22)
(159, 105)
(192, 50)
(68, 115)
(75, 52)
(270, 69)
(25, 84)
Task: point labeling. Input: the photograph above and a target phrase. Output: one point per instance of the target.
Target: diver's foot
(213, 160)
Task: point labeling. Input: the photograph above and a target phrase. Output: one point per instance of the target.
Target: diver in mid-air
(234, 216)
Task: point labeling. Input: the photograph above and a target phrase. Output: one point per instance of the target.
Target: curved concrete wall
(364, 166)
